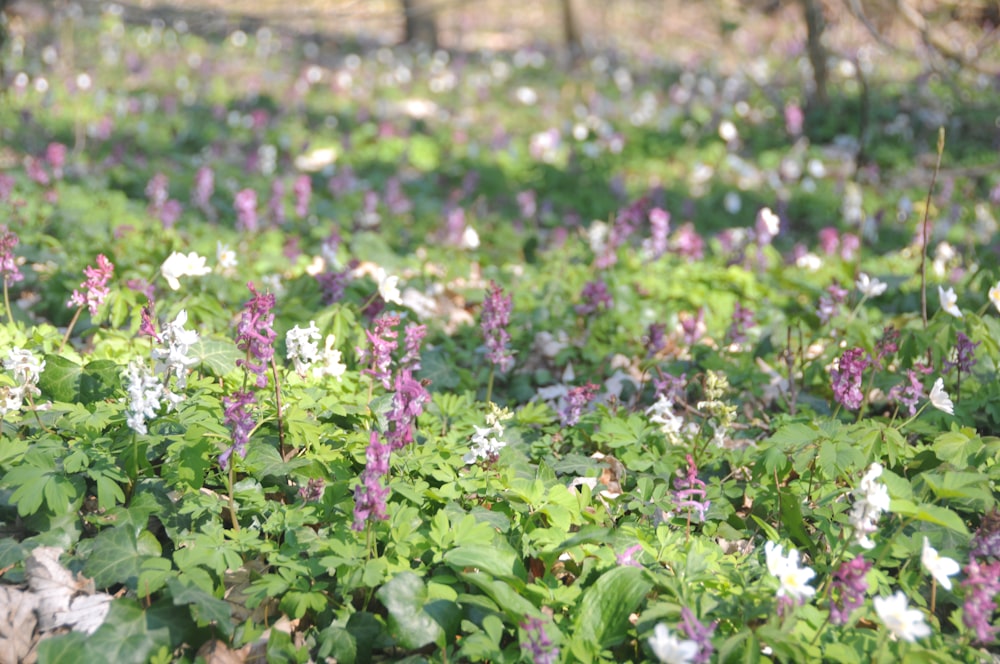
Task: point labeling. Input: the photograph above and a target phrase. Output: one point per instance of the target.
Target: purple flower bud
(369, 494)
(577, 400)
(596, 297)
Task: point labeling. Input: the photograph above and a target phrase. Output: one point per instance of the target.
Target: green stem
(232, 500)
(489, 385)
(69, 330)
(277, 401)
(6, 303)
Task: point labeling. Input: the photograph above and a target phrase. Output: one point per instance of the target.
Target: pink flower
(94, 290)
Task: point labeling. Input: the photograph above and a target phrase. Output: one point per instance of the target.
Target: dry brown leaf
(17, 625)
(217, 652)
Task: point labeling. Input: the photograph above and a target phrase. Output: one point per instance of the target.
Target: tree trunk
(3, 41)
(815, 24)
(571, 31)
(420, 23)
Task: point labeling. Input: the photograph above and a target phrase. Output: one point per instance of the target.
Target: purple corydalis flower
(303, 194)
(8, 263)
(847, 378)
(527, 203)
(688, 243)
(276, 206)
(94, 290)
(690, 492)
(693, 327)
(245, 204)
(494, 320)
(539, 646)
(55, 155)
(577, 399)
(255, 336)
(36, 171)
(381, 344)
(659, 231)
(849, 586)
(147, 328)
(407, 405)
(627, 557)
(672, 387)
(239, 419)
(743, 318)
(981, 584)
(204, 187)
(333, 285)
(700, 633)
(369, 494)
(413, 336)
(965, 355)
(908, 395)
(986, 541)
(595, 296)
(656, 339)
(395, 198)
(829, 303)
(156, 192)
(312, 492)
(887, 346)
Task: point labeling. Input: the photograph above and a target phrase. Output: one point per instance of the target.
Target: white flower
(995, 296)
(144, 394)
(871, 498)
(225, 257)
(330, 362)
(470, 238)
(25, 367)
(768, 223)
(388, 286)
(940, 399)
(486, 443)
(662, 414)
(173, 355)
(671, 650)
(809, 262)
(183, 265)
(939, 566)
(949, 302)
(904, 623)
(794, 580)
(870, 287)
(301, 346)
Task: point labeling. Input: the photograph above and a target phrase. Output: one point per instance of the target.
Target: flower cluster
(982, 585)
(239, 419)
(596, 297)
(965, 355)
(539, 647)
(743, 318)
(847, 378)
(494, 321)
(407, 405)
(700, 633)
(26, 369)
(689, 492)
(255, 335)
(488, 441)
(312, 492)
(381, 344)
(849, 586)
(145, 392)
(173, 358)
(94, 290)
(793, 580)
(830, 303)
(908, 395)
(662, 414)
(330, 360)
(871, 498)
(9, 270)
(303, 193)
(204, 187)
(245, 204)
(302, 348)
(577, 399)
(370, 495)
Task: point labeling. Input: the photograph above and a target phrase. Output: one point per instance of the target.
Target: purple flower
(494, 320)
(743, 318)
(909, 395)
(407, 405)
(539, 646)
(595, 296)
(849, 245)
(147, 328)
(204, 187)
(303, 193)
(986, 541)
(414, 336)
(255, 336)
(981, 584)
(333, 285)
(381, 344)
(700, 633)
(672, 387)
(849, 586)
(887, 346)
(312, 492)
(55, 154)
(965, 355)
(693, 326)
(829, 240)
(395, 197)
(156, 192)
(577, 399)
(170, 213)
(240, 420)
(8, 263)
(829, 303)
(626, 558)
(690, 492)
(7, 183)
(36, 172)
(94, 290)
(527, 203)
(656, 339)
(245, 204)
(847, 378)
(369, 494)
(659, 230)
(688, 243)
(276, 206)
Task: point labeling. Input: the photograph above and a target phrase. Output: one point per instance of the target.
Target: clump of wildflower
(330, 361)
(239, 419)
(381, 344)
(595, 296)
(577, 399)
(312, 492)
(909, 395)
(793, 580)
(145, 392)
(539, 647)
(494, 321)
(413, 336)
(722, 415)
(27, 369)
(689, 492)
(245, 204)
(849, 587)
(830, 303)
(904, 623)
(661, 413)
(656, 339)
(94, 290)
(370, 495)
(981, 585)
(9, 270)
(743, 318)
(147, 326)
(407, 405)
(670, 649)
(949, 302)
(672, 387)
(173, 357)
(688, 243)
(871, 498)
(255, 335)
(659, 229)
(276, 205)
(700, 633)
(303, 193)
(887, 346)
(302, 348)
(693, 327)
(766, 226)
(964, 354)
(156, 193)
(204, 187)
(847, 378)
(333, 285)
(488, 441)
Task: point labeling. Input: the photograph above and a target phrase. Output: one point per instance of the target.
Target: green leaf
(118, 556)
(205, 608)
(496, 560)
(970, 490)
(436, 367)
(127, 635)
(958, 447)
(216, 355)
(603, 612)
(338, 644)
(100, 380)
(62, 649)
(404, 597)
(60, 379)
(940, 516)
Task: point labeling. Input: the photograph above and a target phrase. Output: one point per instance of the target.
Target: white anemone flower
(794, 580)
(995, 296)
(904, 623)
(670, 649)
(949, 302)
(870, 287)
(183, 265)
(940, 399)
(940, 567)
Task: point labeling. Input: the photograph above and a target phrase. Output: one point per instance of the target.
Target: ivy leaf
(435, 367)
(118, 556)
(216, 355)
(404, 597)
(204, 607)
(60, 379)
(100, 380)
(602, 615)
(128, 635)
